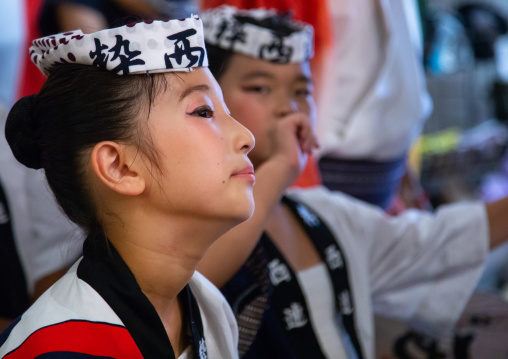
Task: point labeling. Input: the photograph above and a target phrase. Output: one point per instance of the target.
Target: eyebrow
(262, 74)
(189, 90)
(306, 79)
(256, 74)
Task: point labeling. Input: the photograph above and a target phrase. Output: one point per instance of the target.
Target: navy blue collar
(104, 270)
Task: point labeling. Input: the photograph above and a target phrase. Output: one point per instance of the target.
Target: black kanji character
(222, 29)
(183, 48)
(282, 53)
(238, 35)
(126, 59)
(101, 59)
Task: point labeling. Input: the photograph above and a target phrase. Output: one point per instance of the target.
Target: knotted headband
(154, 46)
(229, 28)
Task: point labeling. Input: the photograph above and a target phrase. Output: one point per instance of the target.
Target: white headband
(158, 46)
(223, 29)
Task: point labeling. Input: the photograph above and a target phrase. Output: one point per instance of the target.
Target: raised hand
(292, 140)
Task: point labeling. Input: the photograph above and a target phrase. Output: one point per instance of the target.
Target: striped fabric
(249, 319)
(372, 182)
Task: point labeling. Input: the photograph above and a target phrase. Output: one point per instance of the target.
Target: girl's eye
(203, 111)
(258, 89)
(303, 92)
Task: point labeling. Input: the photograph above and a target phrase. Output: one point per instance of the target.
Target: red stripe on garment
(100, 339)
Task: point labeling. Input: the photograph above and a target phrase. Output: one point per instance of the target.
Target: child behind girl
(307, 282)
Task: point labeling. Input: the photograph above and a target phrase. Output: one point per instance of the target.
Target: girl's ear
(118, 167)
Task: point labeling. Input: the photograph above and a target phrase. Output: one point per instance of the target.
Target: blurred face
(205, 171)
(259, 94)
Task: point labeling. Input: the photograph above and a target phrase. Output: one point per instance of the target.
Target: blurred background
(466, 62)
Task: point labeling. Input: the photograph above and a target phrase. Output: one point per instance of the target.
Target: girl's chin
(245, 214)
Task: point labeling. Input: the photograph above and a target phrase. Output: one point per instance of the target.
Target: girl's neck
(163, 253)
(163, 258)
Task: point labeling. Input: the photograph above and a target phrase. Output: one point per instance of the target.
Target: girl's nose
(244, 140)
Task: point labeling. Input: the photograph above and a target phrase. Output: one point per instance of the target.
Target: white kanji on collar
(294, 316)
(309, 218)
(203, 354)
(278, 272)
(333, 257)
(345, 302)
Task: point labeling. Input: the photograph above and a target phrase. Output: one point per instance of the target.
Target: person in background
(13, 281)
(306, 281)
(93, 15)
(374, 100)
(317, 14)
(46, 243)
(371, 94)
(14, 298)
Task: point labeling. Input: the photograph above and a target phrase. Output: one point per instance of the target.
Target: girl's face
(202, 150)
(259, 94)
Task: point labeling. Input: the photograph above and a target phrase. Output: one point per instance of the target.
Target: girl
(325, 262)
(140, 150)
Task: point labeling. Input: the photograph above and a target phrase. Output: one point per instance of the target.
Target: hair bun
(21, 132)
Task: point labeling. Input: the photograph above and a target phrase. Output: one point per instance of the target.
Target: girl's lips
(247, 172)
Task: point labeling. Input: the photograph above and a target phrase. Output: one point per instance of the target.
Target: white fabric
(46, 239)
(419, 267)
(187, 353)
(73, 298)
(149, 44)
(374, 100)
(220, 328)
(68, 298)
(322, 310)
(222, 28)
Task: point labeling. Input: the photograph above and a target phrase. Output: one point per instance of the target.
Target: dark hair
(218, 59)
(78, 107)
(281, 24)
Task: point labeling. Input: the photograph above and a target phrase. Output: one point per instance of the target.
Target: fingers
(307, 138)
(303, 130)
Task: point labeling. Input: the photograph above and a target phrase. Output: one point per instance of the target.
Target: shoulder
(70, 316)
(321, 197)
(338, 210)
(210, 300)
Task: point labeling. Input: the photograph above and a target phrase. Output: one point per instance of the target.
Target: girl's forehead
(181, 84)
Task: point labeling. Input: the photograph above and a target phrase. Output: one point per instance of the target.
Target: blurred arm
(497, 213)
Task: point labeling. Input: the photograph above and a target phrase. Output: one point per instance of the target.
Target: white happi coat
(420, 267)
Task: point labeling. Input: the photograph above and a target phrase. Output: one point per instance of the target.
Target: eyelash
(258, 89)
(267, 90)
(200, 110)
(304, 92)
